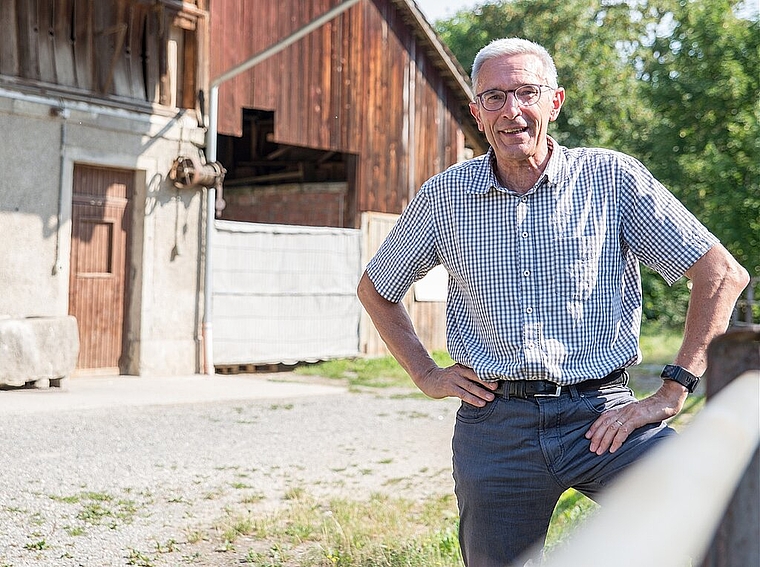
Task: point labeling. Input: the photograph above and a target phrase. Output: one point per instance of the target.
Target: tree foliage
(592, 43)
(674, 83)
(702, 82)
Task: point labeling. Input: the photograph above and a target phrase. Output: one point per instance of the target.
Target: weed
(274, 558)
(75, 531)
(169, 547)
(178, 500)
(38, 545)
(93, 513)
(195, 536)
(295, 493)
(95, 506)
(237, 526)
(225, 547)
(252, 498)
(138, 559)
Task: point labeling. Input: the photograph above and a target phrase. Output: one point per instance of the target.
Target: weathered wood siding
(361, 84)
(106, 48)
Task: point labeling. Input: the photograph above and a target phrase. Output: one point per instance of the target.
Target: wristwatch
(681, 375)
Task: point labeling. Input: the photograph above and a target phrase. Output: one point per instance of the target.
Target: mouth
(515, 130)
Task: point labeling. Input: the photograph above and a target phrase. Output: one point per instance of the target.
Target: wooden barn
(325, 115)
(338, 128)
(372, 101)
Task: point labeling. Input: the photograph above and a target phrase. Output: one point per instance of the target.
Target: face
(516, 133)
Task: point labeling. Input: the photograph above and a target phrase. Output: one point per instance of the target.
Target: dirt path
(148, 485)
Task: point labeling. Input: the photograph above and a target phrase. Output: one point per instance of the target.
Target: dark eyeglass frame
(515, 93)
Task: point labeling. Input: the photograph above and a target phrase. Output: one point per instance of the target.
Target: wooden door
(98, 274)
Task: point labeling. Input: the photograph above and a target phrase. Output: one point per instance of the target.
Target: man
(542, 245)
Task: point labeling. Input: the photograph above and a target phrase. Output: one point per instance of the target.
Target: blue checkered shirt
(544, 285)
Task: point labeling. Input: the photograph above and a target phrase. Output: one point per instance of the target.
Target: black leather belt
(546, 389)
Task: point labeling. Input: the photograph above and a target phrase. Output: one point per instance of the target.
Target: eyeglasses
(526, 95)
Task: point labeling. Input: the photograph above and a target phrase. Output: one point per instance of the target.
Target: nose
(511, 108)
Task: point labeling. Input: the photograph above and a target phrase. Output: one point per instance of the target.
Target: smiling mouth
(516, 130)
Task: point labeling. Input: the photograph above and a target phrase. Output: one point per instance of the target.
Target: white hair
(515, 46)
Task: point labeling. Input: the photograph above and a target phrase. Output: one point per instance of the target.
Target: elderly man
(542, 244)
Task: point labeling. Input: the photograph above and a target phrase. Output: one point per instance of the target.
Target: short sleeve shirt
(544, 285)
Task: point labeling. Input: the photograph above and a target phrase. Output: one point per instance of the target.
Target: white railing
(665, 510)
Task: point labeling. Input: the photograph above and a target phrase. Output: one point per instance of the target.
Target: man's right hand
(456, 381)
(396, 329)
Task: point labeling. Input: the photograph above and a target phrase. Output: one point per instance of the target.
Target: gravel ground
(148, 485)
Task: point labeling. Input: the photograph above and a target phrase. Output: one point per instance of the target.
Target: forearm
(397, 331)
(717, 281)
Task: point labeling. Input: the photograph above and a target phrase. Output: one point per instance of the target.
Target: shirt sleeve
(408, 252)
(660, 231)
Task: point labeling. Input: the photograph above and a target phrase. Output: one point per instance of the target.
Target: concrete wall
(43, 139)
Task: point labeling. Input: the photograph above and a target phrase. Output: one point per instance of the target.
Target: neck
(521, 176)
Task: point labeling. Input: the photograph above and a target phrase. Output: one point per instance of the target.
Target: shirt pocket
(576, 274)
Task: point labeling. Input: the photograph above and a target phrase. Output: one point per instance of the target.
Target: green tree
(593, 44)
(672, 82)
(702, 82)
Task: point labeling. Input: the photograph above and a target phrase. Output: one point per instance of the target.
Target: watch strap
(681, 375)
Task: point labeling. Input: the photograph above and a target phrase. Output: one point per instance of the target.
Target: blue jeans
(514, 457)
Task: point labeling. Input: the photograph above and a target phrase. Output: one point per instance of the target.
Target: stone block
(37, 350)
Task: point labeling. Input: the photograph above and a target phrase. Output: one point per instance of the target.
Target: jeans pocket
(469, 413)
(603, 400)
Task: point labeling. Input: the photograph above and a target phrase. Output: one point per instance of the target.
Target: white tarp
(284, 293)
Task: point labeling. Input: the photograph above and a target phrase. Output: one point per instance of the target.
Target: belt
(546, 389)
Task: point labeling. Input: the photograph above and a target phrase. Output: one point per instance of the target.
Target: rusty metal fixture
(189, 171)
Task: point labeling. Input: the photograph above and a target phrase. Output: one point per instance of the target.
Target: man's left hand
(609, 432)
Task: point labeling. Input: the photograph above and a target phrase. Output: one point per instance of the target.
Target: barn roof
(444, 60)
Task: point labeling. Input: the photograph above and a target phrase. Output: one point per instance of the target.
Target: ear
(557, 101)
(475, 111)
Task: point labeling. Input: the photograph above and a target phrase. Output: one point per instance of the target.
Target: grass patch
(571, 511)
(96, 507)
(659, 346)
(376, 372)
(379, 532)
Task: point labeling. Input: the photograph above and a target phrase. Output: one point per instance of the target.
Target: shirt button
(529, 310)
(524, 235)
(526, 273)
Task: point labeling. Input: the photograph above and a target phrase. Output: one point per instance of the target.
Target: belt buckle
(555, 394)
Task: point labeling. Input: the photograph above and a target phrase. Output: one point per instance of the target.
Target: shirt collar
(484, 177)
